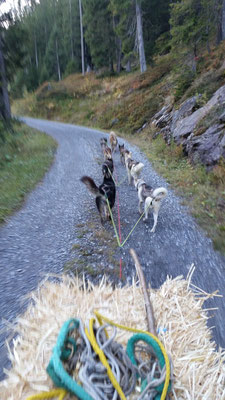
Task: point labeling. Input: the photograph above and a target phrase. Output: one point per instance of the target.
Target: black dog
(109, 164)
(106, 189)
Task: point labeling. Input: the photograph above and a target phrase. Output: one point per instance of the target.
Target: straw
(199, 369)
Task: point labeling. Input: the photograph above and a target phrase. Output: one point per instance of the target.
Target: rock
(167, 135)
(180, 125)
(156, 134)
(114, 121)
(183, 127)
(222, 118)
(207, 148)
(186, 109)
(165, 110)
(163, 120)
(142, 127)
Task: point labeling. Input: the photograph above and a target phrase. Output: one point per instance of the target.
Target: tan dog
(113, 141)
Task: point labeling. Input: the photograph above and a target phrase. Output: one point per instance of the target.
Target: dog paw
(144, 219)
(152, 230)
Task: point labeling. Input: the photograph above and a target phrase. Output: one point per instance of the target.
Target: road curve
(38, 239)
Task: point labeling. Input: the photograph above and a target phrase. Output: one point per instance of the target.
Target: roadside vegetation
(126, 103)
(25, 156)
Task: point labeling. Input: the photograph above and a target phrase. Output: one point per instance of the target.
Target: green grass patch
(25, 156)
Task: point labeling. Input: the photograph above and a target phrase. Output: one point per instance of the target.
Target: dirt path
(39, 238)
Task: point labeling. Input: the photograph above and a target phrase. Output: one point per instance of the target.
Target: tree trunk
(223, 20)
(5, 112)
(128, 66)
(111, 69)
(119, 55)
(81, 37)
(141, 49)
(71, 30)
(57, 60)
(35, 49)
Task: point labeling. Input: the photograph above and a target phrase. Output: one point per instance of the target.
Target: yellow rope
(100, 353)
(61, 393)
(101, 318)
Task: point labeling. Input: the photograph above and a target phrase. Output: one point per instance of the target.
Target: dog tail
(138, 168)
(90, 185)
(159, 193)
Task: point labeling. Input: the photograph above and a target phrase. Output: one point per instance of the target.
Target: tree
(140, 39)
(193, 24)
(124, 14)
(220, 13)
(5, 111)
(81, 36)
(99, 33)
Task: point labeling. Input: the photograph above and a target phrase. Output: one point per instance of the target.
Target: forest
(50, 39)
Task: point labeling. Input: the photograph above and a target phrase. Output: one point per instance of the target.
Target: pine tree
(99, 33)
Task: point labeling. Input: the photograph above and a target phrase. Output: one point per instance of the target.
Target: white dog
(152, 199)
(133, 168)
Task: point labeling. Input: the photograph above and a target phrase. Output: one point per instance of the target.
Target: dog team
(105, 194)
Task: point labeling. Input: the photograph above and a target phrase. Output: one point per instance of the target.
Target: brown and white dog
(107, 152)
(151, 198)
(113, 141)
(103, 143)
(133, 168)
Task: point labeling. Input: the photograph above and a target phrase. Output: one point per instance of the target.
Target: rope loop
(166, 386)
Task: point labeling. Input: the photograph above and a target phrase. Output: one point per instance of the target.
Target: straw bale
(199, 370)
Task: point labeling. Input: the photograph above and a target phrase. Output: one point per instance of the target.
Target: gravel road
(38, 239)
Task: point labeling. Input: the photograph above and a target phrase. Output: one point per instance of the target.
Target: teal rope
(55, 367)
(152, 343)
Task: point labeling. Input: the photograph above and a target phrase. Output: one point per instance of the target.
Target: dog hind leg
(139, 206)
(147, 205)
(155, 216)
(100, 208)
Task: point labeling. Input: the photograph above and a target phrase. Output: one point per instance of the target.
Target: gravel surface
(39, 238)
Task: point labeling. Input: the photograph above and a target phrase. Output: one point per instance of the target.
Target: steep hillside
(128, 104)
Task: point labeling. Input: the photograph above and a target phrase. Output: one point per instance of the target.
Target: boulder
(207, 148)
(183, 127)
(186, 109)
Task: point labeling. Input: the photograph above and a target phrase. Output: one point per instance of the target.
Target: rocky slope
(198, 127)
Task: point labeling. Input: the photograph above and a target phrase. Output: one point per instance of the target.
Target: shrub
(183, 82)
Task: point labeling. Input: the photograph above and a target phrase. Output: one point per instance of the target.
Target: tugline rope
(61, 393)
(115, 229)
(118, 213)
(101, 318)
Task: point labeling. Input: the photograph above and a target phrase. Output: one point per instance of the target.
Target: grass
(88, 257)
(25, 156)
